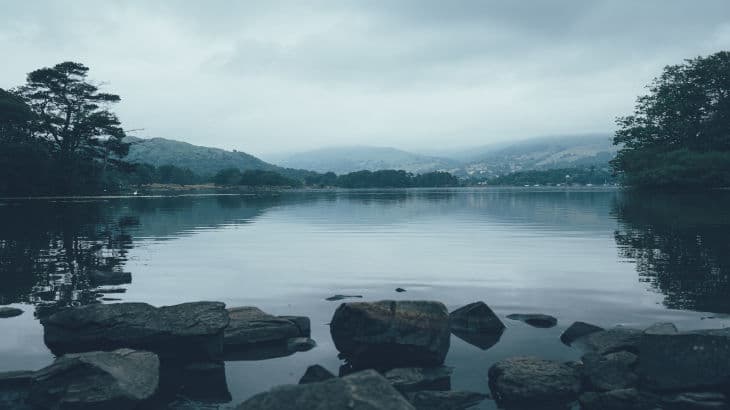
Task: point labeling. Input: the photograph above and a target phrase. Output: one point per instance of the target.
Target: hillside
(203, 161)
(342, 160)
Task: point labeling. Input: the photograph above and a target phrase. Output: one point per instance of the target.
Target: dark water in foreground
(604, 257)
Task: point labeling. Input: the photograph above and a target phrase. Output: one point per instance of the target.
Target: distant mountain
(539, 154)
(203, 161)
(342, 160)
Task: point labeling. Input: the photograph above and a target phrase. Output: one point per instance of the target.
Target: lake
(597, 255)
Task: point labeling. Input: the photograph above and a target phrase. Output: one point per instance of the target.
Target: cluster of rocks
(118, 356)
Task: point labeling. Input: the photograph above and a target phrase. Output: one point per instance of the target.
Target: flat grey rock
(535, 319)
(189, 330)
(6, 312)
(118, 380)
(410, 379)
(249, 325)
(391, 333)
(365, 390)
(444, 400)
(661, 329)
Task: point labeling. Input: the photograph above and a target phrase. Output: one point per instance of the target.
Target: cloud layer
(283, 76)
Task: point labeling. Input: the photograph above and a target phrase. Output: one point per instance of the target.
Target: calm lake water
(600, 256)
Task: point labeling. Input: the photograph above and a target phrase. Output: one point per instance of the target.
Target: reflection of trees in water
(681, 246)
(48, 250)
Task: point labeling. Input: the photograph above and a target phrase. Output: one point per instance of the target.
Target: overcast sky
(268, 76)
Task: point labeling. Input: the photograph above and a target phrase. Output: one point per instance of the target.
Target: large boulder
(612, 340)
(685, 361)
(444, 400)
(477, 325)
(250, 325)
(15, 390)
(122, 379)
(610, 372)
(529, 382)
(392, 333)
(366, 390)
(578, 330)
(187, 331)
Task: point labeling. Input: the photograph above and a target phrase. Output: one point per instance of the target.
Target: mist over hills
(486, 161)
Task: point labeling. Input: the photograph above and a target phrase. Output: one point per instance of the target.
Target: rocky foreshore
(136, 356)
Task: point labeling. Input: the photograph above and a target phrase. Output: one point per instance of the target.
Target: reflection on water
(681, 246)
(604, 257)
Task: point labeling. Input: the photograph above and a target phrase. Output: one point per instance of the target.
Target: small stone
(6, 312)
(409, 379)
(400, 290)
(477, 325)
(578, 330)
(340, 297)
(535, 319)
(316, 373)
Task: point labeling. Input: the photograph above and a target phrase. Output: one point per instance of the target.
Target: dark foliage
(565, 176)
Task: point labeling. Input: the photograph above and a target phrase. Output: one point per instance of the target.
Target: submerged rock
(409, 379)
(477, 325)
(340, 297)
(695, 401)
(534, 319)
(187, 331)
(122, 379)
(529, 381)
(578, 330)
(400, 290)
(391, 333)
(365, 390)
(444, 400)
(685, 361)
(250, 325)
(661, 329)
(6, 312)
(316, 373)
(610, 372)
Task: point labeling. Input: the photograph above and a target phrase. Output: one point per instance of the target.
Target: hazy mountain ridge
(342, 160)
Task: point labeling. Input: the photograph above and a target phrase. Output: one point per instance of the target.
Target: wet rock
(444, 400)
(610, 372)
(409, 379)
(187, 331)
(534, 319)
(695, 401)
(477, 325)
(612, 340)
(623, 399)
(15, 390)
(578, 330)
(6, 312)
(270, 350)
(366, 390)
(400, 290)
(197, 381)
(249, 325)
(102, 278)
(316, 373)
(300, 344)
(528, 381)
(16, 378)
(661, 329)
(391, 333)
(340, 297)
(122, 379)
(685, 361)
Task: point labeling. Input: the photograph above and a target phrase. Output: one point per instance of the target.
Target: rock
(477, 325)
(249, 325)
(578, 330)
(528, 381)
(271, 350)
(400, 290)
(15, 390)
(534, 319)
(6, 312)
(196, 381)
(685, 361)
(444, 400)
(366, 390)
(316, 373)
(340, 297)
(16, 378)
(101, 278)
(661, 329)
(612, 340)
(122, 379)
(392, 333)
(623, 399)
(300, 344)
(189, 331)
(695, 401)
(610, 372)
(410, 379)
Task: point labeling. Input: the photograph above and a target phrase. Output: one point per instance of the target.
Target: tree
(687, 110)
(15, 118)
(71, 113)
